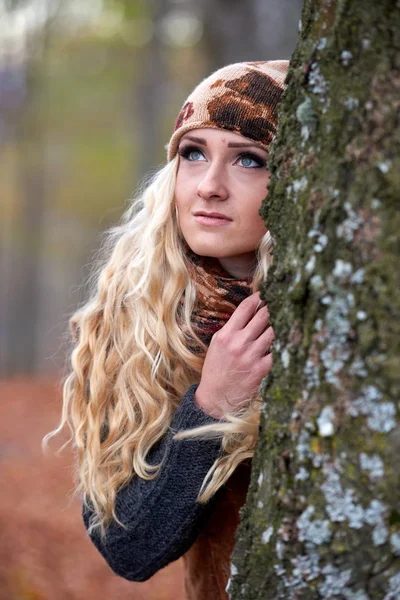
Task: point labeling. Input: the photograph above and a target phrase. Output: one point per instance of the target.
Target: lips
(212, 219)
(212, 215)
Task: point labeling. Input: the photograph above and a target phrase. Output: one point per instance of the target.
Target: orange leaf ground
(44, 551)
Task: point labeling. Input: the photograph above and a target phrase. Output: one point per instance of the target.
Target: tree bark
(322, 518)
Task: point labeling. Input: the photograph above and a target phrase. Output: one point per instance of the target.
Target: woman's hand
(237, 359)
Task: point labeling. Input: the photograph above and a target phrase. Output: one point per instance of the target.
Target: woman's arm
(162, 514)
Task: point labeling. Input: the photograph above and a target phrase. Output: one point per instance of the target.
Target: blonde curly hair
(131, 363)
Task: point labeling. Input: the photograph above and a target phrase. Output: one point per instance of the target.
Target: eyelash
(186, 150)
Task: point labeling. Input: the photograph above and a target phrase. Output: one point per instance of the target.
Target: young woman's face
(220, 185)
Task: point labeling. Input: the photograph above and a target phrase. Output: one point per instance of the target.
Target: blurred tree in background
(89, 92)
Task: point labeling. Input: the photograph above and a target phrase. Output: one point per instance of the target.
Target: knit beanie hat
(242, 97)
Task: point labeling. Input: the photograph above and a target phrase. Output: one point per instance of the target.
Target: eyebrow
(203, 142)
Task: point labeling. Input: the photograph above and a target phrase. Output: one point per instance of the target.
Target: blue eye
(248, 158)
(191, 153)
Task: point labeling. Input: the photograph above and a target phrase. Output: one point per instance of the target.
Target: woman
(163, 397)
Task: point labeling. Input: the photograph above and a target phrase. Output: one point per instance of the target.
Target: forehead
(221, 136)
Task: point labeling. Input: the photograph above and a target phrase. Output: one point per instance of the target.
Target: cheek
(183, 211)
(256, 227)
(253, 205)
(183, 193)
(252, 221)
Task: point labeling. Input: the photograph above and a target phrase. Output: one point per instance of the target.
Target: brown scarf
(218, 295)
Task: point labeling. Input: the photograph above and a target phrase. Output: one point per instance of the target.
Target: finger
(258, 324)
(262, 345)
(244, 312)
(265, 364)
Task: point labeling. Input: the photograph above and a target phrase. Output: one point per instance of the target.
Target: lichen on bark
(322, 518)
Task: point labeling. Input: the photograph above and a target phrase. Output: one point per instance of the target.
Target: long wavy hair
(131, 362)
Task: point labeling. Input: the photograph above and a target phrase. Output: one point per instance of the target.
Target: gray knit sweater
(162, 515)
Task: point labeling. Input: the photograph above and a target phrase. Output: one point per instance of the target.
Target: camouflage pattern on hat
(242, 98)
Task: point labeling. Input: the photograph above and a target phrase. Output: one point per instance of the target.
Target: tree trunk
(149, 94)
(22, 281)
(322, 518)
(236, 31)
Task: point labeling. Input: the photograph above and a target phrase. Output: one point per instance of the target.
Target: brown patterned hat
(242, 97)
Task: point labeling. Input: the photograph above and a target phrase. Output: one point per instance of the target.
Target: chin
(205, 249)
(216, 248)
(212, 251)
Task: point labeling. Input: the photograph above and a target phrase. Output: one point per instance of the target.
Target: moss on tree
(322, 516)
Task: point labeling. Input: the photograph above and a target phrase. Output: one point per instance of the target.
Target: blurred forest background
(89, 92)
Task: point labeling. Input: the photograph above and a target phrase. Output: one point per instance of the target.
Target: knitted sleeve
(162, 515)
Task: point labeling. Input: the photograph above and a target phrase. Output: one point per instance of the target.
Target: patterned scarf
(218, 295)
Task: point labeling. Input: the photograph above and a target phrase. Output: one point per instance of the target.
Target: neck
(218, 294)
(240, 267)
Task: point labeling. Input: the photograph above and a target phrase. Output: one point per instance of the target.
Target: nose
(212, 185)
